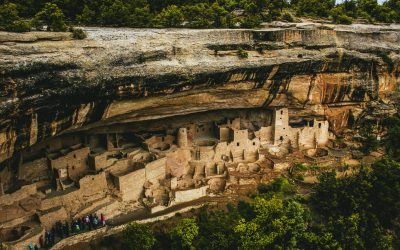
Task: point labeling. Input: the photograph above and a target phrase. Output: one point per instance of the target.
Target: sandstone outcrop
(152, 118)
(51, 84)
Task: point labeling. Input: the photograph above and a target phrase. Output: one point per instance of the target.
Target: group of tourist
(64, 230)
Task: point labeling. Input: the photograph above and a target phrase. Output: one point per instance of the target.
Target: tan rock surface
(50, 84)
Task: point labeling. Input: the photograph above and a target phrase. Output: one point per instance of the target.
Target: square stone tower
(183, 138)
(280, 125)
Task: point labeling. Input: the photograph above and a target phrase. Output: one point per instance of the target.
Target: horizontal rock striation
(51, 84)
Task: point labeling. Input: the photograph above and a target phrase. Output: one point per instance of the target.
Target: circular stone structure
(316, 152)
(266, 162)
(338, 145)
(277, 151)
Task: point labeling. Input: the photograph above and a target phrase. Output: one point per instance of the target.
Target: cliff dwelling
(130, 122)
(79, 173)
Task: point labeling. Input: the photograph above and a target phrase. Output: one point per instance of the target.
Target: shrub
(140, 17)
(78, 34)
(344, 19)
(370, 143)
(338, 15)
(51, 16)
(299, 167)
(8, 15)
(317, 8)
(279, 185)
(387, 59)
(184, 233)
(87, 15)
(242, 53)
(171, 16)
(251, 21)
(286, 16)
(10, 20)
(299, 177)
(138, 236)
(114, 13)
(19, 26)
(393, 142)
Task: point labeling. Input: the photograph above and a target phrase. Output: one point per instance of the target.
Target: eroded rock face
(51, 84)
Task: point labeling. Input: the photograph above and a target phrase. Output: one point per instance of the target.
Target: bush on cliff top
(195, 14)
(10, 19)
(78, 33)
(50, 16)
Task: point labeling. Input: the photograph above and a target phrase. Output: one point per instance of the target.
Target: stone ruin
(153, 118)
(117, 173)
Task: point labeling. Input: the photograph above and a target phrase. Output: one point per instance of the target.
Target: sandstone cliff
(51, 84)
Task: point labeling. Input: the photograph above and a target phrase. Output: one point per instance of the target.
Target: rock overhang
(52, 84)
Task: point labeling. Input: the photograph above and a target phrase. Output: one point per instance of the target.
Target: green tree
(367, 131)
(287, 16)
(140, 17)
(114, 13)
(319, 240)
(274, 9)
(280, 187)
(367, 5)
(393, 142)
(170, 16)
(338, 15)
(374, 11)
(8, 15)
(184, 233)
(347, 231)
(275, 223)
(251, 236)
(87, 16)
(385, 191)
(251, 21)
(26, 8)
(216, 229)
(220, 16)
(350, 7)
(359, 210)
(296, 225)
(394, 6)
(384, 13)
(317, 8)
(51, 16)
(138, 237)
(198, 15)
(70, 8)
(370, 144)
(10, 20)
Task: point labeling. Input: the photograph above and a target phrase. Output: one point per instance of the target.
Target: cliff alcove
(151, 118)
